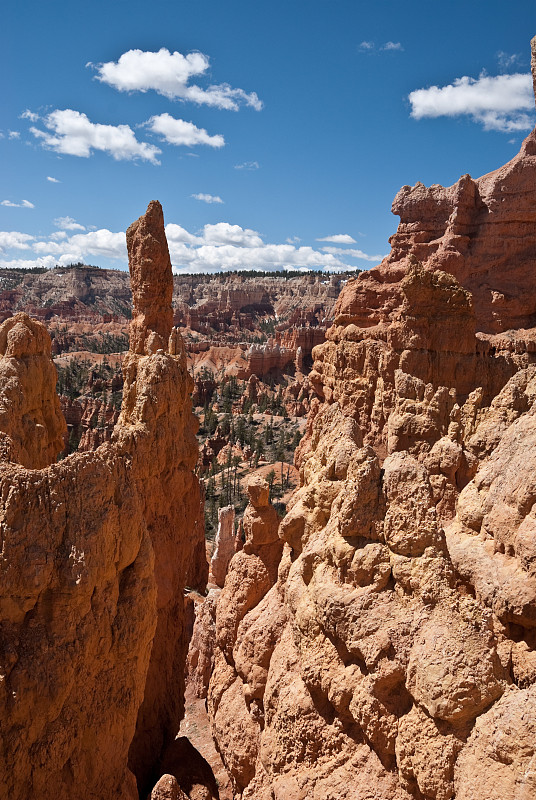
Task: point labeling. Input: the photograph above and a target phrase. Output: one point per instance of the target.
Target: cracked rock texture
(393, 655)
(94, 554)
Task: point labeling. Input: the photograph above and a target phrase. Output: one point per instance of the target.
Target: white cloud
(508, 60)
(213, 258)
(249, 165)
(101, 242)
(369, 47)
(293, 240)
(500, 103)
(338, 238)
(13, 134)
(26, 263)
(23, 204)
(352, 253)
(29, 115)
(68, 224)
(176, 234)
(52, 180)
(223, 233)
(178, 132)
(169, 75)
(15, 240)
(218, 247)
(72, 133)
(208, 198)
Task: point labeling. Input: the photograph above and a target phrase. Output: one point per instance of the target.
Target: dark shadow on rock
(193, 773)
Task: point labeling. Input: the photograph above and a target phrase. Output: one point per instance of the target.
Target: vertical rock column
(151, 280)
(157, 405)
(225, 545)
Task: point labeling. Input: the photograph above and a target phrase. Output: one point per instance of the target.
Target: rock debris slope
(394, 656)
(95, 551)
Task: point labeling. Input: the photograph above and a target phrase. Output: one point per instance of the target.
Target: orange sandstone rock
(394, 656)
(94, 553)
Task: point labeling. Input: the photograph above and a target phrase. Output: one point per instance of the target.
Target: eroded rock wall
(394, 657)
(94, 552)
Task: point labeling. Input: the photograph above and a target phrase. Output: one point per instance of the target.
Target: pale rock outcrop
(224, 546)
(93, 557)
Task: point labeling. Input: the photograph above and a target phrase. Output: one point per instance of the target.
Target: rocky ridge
(394, 655)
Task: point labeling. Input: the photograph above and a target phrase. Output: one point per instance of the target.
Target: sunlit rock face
(95, 552)
(394, 657)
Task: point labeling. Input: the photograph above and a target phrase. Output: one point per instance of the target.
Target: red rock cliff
(395, 655)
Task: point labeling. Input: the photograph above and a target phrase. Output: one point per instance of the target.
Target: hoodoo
(395, 655)
(96, 550)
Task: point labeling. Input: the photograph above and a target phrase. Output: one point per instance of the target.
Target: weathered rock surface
(224, 546)
(235, 693)
(94, 553)
(395, 655)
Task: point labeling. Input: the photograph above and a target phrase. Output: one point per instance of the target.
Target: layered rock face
(240, 668)
(95, 552)
(395, 655)
(482, 232)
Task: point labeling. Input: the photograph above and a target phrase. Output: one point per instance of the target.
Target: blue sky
(275, 134)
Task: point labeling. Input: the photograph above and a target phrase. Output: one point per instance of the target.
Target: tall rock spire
(151, 281)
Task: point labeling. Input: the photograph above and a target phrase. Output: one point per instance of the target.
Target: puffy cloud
(23, 204)
(15, 240)
(178, 132)
(68, 224)
(101, 242)
(249, 165)
(13, 134)
(366, 46)
(169, 75)
(217, 247)
(500, 103)
(352, 253)
(29, 115)
(60, 249)
(52, 180)
(176, 234)
(338, 238)
(72, 133)
(208, 198)
(223, 233)
(28, 263)
(391, 46)
(213, 258)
